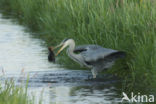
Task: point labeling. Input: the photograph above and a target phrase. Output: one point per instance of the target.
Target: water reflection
(19, 51)
(83, 95)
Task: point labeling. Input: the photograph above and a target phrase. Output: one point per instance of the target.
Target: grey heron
(92, 56)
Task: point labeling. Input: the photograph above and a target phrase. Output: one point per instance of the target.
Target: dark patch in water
(71, 78)
(51, 56)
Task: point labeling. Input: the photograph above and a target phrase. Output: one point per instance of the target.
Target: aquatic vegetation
(127, 25)
(11, 94)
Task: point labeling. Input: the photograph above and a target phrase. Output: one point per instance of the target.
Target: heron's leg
(94, 72)
(89, 77)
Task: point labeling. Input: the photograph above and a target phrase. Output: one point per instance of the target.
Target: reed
(11, 94)
(127, 25)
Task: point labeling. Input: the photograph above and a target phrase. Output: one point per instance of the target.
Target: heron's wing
(99, 53)
(93, 53)
(80, 49)
(83, 48)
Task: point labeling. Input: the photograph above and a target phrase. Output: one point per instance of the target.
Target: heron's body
(92, 56)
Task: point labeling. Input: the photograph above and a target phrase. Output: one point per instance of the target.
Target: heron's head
(64, 44)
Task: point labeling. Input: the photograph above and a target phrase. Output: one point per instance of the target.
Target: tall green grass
(128, 25)
(11, 94)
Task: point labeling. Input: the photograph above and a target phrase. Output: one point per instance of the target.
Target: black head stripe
(65, 40)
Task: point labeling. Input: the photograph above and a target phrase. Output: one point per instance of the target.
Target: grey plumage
(93, 52)
(93, 56)
(97, 57)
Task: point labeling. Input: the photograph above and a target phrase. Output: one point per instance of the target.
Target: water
(22, 55)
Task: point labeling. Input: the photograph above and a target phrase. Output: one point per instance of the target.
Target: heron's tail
(120, 54)
(116, 55)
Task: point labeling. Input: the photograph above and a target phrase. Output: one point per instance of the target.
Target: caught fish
(51, 56)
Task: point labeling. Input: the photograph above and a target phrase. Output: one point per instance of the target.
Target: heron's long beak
(57, 46)
(64, 46)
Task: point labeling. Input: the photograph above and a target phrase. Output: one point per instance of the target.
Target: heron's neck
(71, 47)
(72, 55)
(70, 50)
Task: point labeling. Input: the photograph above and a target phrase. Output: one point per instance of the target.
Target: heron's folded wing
(96, 54)
(92, 53)
(83, 48)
